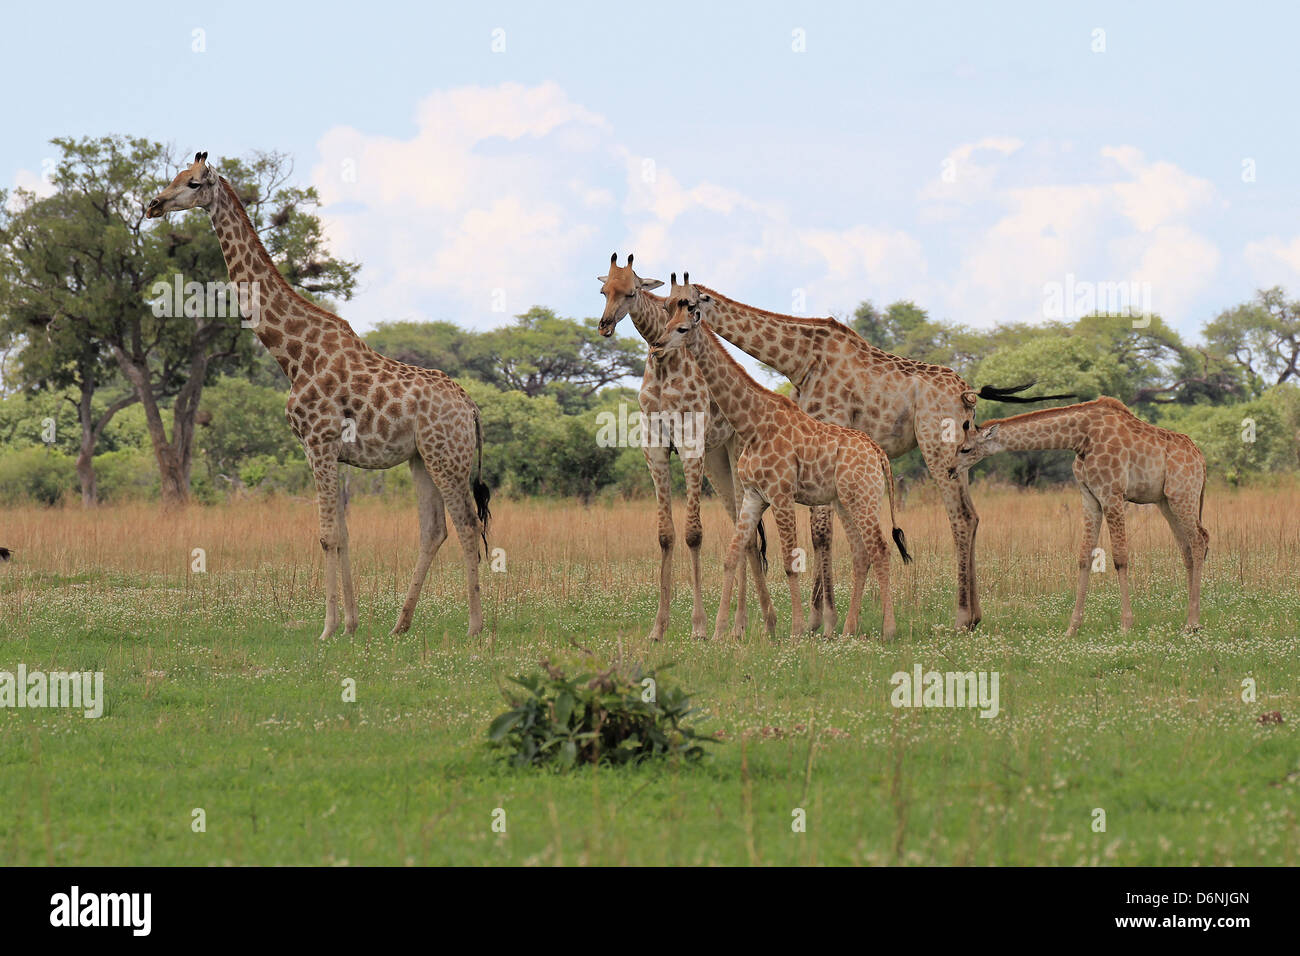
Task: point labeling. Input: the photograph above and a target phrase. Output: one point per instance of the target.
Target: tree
(906, 329)
(84, 270)
(1262, 338)
(441, 345)
(544, 354)
(73, 263)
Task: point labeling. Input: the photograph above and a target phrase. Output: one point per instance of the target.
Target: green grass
(220, 697)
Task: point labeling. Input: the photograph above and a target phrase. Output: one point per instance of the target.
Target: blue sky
(960, 155)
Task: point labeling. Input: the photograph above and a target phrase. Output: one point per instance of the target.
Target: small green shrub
(612, 716)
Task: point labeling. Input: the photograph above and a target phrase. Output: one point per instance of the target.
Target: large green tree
(82, 267)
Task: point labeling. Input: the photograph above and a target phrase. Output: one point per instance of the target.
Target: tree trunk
(86, 454)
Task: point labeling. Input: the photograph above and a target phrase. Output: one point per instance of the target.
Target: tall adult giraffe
(1120, 458)
(347, 403)
(841, 378)
(672, 390)
(789, 457)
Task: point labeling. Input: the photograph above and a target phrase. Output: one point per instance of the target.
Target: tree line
(106, 397)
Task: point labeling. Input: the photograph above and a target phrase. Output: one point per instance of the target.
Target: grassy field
(220, 697)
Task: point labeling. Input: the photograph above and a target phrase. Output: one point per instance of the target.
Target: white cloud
(32, 182)
(1131, 224)
(519, 192)
(1274, 261)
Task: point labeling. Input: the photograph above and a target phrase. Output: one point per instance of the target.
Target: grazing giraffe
(1120, 458)
(840, 378)
(788, 457)
(347, 403)
(673, 391)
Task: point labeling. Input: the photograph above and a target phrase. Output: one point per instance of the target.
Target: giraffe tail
(900, 540)
(482, 493)
(1009, 395)
(762, 545)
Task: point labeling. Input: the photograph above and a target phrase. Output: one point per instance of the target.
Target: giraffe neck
(784, 342)
(649, 316)
(742, 400)
(1065, 427)
(282, 315)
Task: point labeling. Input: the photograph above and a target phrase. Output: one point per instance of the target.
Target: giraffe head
(195, 185)
(684, 318)
(620, 288)
(683, 293)
(977, 445)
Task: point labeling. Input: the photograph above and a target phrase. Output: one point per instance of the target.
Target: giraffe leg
(464, 517)
(861, 560)
(345, 563)
(720, 466)
(822, 604)
(1091, 534)
(433, 532)
(756, 565)
(963, 520)
(1183, 518)
(657, 459)
(787, 528)
(751, 512)
(693, 468)
(1119, 552)
(324, 465)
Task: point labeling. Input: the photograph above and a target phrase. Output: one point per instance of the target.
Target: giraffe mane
(260, 250)
(830, 325)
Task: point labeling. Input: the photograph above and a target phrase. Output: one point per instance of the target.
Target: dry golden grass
(560, 552)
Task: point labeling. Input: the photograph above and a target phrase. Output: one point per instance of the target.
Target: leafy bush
(612, 716)
(36, 474)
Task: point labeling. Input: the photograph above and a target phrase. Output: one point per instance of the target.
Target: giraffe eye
(195, 185)
(683, 329)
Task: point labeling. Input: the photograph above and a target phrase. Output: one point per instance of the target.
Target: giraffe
(673, 391)
(347, 403)
(1120, 458)
(788, 457)
(900, 403)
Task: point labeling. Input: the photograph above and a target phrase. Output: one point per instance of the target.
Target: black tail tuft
(762, 545)
(1011, 396)
(482, 495)
(5, 554)
(901, 541)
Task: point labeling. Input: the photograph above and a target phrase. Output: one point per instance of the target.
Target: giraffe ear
(987, 433)
(704, 297)
(651, 283)
(602, 279)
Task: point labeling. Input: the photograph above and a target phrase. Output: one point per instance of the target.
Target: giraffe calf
(1119, 458)
(787, 458)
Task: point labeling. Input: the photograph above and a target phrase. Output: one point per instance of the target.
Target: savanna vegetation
(103, 399)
